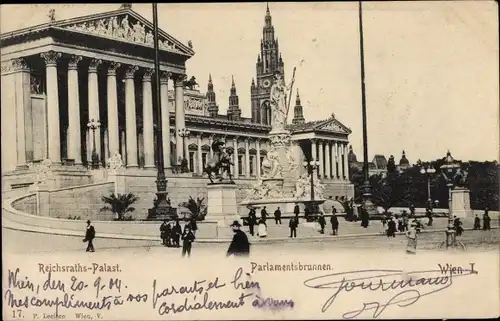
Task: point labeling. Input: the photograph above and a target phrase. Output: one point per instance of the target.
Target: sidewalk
(44, 230)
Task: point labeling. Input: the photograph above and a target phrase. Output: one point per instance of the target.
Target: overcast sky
(431, 67)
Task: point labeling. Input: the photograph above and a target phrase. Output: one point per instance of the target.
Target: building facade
(61, 77)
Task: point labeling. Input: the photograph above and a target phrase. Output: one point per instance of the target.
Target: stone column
(328, 173)
(333, 161)
(185, 142)
(147, 119)
(179, 115)
(200, 158)
(337, 170)
(257, 161)
(321, 159)
(130, 117)
(235, 159)
(113, 132)
(341, 163)
(54, 136)
(165, 118)
(344, 164)
(210, 142)
(74, 130)
(247, 158)
(22, 102)
(94, 113)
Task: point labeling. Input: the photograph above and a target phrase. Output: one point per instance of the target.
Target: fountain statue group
(278, 166)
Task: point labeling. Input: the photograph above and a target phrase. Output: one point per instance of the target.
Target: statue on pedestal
(115, 161)
(219, 166)
(279, 107)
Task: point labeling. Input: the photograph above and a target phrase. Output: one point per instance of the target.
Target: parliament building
(68, 84)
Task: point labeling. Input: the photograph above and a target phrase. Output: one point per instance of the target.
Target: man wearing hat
(89, 237)
(239, 245)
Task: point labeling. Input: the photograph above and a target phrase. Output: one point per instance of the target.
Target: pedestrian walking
(193, 225)
(296, 209)
(486, 221)
(458, 226)
(240, 246)
(188, 238)
(477, 223)
(335, 224)
(252, 221)
(412, 210)
(322, 223)
(428, 213)
(411, 234)
(262, 228)
(263, 214)
(163, 232)
(293, 224)
(400, 224)
(406, 220)
(89, 237)
(391, 228)
(176, 233)
(277, 216)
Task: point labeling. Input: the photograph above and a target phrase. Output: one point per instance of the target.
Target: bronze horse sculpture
(217, 166)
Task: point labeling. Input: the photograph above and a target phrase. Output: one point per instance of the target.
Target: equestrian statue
(219, 166)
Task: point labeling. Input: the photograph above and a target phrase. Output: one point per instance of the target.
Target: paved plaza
(28, 242)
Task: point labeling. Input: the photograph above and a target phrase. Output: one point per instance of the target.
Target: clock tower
(268, 62)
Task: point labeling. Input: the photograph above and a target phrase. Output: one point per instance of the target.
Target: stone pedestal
(221, 204)
(460, 203)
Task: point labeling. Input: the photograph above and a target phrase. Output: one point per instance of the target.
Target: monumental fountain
(283, 182)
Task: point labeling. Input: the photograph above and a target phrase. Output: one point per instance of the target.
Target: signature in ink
(409, 286)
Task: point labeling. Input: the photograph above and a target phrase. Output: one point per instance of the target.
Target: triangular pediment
(333, 125)
(124, 25)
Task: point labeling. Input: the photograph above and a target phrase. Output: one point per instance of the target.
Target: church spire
(234, 111)
(298, 113)
(213, 109)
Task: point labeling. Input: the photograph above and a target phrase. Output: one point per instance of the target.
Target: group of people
(486, 221)
(171, 234)
(293, 224)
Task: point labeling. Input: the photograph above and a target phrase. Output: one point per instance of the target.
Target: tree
(119, 204)
(196, 207)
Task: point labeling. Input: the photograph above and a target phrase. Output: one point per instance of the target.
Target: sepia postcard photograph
(250, 160)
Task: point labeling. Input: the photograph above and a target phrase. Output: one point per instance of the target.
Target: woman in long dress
(411, 234)
(262, 228)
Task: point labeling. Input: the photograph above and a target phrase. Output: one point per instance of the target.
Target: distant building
(378, 165)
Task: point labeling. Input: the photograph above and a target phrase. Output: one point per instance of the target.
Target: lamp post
(161, 207)
(93, 125)
(448, 170)
(311, 166)
(429, 172)
(368, 205)
(183, 132)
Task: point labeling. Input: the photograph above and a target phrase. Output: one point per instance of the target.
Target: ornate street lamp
(183, 132)
(93, 125)
(448, 170)
(429, 172)
(311, 166)
(161, 207)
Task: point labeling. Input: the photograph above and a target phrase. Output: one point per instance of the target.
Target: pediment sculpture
(333, 127)
(122, 28)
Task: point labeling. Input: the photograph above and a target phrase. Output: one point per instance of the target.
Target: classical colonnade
(332, 157)
(53, 61)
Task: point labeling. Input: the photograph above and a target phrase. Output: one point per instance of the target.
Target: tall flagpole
(161, 209)
(367, 203)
